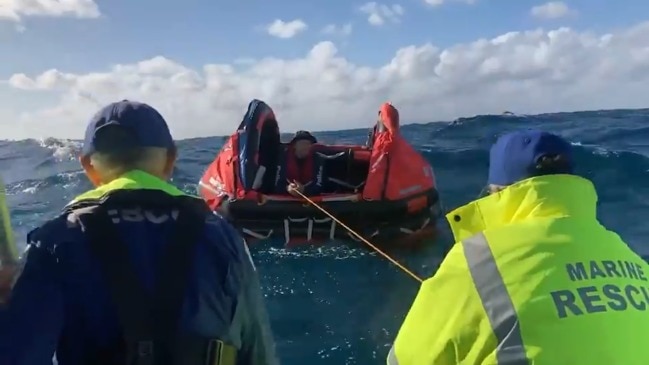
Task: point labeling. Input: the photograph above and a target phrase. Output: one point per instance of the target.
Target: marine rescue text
(602, 296)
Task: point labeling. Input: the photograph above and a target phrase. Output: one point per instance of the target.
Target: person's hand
(295, 187)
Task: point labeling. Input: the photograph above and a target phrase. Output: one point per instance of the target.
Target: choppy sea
(341, 303)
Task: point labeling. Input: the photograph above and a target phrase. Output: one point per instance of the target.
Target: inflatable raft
(384, 191)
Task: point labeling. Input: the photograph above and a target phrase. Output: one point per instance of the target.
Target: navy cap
(515, 155)
(303, 136)
(148, 127)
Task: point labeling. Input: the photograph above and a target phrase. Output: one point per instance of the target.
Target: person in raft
(299, 164)
(135, 271)
(534, 278)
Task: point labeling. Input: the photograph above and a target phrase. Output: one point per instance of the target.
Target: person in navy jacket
(135, 271)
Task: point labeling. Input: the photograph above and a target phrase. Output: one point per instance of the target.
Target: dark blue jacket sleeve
(250, 317)
(32, 320)
(257, 338)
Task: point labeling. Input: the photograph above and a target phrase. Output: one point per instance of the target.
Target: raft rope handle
(323, 210)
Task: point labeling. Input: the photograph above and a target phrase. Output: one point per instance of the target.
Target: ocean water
(340, 303)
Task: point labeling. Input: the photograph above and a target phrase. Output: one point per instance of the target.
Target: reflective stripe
(392, 357)
(219, 353)
(495, 300)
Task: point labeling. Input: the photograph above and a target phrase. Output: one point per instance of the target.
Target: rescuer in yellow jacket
(534, 278)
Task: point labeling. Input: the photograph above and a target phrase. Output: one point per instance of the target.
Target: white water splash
(62, 149)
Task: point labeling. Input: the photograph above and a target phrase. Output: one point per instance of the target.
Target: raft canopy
(259, 140)
(388, 120)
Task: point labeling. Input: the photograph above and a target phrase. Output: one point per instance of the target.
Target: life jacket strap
(149, 321)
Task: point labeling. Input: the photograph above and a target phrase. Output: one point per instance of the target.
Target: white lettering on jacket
(140, 215)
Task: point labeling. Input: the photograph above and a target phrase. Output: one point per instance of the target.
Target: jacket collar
(550, 196)
(132, 180)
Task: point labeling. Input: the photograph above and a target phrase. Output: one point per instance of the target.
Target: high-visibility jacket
(534, 279)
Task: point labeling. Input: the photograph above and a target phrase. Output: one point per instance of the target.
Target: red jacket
(299, 170)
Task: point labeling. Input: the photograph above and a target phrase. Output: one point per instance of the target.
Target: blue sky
(51, 62)
(197, 32)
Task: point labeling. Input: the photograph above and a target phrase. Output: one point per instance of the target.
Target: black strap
(173, 273)
(129, 295)
(149, 322)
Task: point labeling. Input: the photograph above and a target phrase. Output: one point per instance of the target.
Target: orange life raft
(384, 191)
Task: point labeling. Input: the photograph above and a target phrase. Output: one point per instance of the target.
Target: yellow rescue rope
(323, 210)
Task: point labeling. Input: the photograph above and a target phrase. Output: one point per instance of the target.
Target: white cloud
(527, 72)
(379, 14)
(15, 10)
(342, 30)
(551, 10)
(286, 30)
